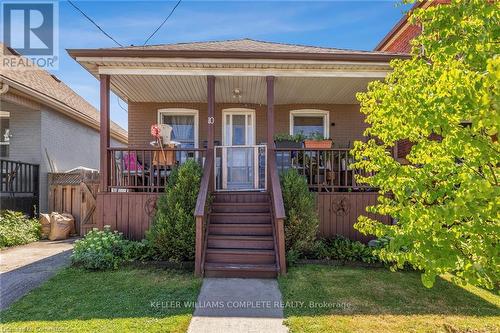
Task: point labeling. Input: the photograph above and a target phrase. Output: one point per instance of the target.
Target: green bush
(341, 248)
(301, 223)
(17, 229)
(106, 249)
(172, 234)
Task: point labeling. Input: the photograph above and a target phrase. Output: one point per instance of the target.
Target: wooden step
(241, 197)
(240, 256)
(240, 270)
(244, 207)
(240, 229)
(240, 217)
(240, 242)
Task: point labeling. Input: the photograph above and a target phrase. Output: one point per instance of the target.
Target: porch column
(270, 114)
(211, 111)
(104, 131)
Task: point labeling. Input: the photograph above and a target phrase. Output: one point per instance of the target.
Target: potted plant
(283, 140)
(317, 141)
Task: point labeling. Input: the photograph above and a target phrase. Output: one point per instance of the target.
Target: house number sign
(211, 120)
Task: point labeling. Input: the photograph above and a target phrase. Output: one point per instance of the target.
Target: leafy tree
(446, 200)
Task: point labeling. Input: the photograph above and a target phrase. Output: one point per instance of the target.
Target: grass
(125, 300)
(377, 300)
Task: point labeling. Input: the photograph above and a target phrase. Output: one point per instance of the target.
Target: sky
(343, 24)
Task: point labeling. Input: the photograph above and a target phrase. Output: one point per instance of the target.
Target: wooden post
(211, 112)
(104, 131)
(270, 121)
(270, 114)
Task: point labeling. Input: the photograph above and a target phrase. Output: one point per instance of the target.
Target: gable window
(184, 124)
(309, 121)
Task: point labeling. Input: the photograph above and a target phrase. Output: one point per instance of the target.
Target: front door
(238, 152)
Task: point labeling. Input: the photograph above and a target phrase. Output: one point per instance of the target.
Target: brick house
(225, 101)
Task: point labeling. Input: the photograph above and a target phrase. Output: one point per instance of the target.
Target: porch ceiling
(185, 80)
(288, 90)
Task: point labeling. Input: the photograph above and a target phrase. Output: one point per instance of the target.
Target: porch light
(237, 93)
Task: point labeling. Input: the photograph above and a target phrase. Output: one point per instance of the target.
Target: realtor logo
(31, 28)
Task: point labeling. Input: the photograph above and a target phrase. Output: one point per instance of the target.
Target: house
(225, 101)
(45, 126)
(398, 40)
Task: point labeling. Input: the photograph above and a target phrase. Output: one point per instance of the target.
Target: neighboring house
(41, 119)
(225, 101)
(399, 40)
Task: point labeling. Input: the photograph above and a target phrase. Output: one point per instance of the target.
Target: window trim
(182, 112)
(308, 113)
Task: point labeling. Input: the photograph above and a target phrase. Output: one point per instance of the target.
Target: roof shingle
(45, 83)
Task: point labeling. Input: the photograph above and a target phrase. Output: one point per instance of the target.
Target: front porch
(224, 114)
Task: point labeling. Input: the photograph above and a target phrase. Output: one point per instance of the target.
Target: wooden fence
(75, 193)
(339, 211)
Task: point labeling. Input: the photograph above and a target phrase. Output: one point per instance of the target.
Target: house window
(4, 134)
(184, 124)
(309, 122)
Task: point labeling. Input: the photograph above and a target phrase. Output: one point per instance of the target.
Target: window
(309, 122)
(184, 124)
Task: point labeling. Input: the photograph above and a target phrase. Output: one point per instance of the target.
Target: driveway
(25, 267)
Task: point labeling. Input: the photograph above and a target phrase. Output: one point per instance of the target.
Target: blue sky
(344, 24)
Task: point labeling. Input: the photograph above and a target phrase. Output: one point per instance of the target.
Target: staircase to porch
(240, 240)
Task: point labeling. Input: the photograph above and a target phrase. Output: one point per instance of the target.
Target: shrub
(172, 234)
(301, 223)
(106, 249)
(17, 229)
(341, 248)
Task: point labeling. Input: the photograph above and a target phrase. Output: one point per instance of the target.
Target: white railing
(240, 168)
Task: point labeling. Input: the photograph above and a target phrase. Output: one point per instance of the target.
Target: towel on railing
(131, 162)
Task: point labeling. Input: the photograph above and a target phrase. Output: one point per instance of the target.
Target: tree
(446, 200)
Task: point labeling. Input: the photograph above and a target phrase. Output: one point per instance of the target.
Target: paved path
(25, 267)
(238, 305)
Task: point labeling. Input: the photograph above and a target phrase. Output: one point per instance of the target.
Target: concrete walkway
(25, 267)
(238, 305)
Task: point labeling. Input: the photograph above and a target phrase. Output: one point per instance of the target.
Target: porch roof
(177, 72)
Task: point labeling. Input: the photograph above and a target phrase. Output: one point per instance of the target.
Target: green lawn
(125, 300)
(377, 300)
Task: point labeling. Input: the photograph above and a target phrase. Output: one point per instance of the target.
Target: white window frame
(240, 111)
(182, 112)
(312, 113)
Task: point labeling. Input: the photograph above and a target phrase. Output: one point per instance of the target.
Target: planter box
(318, 144)
(288, 144)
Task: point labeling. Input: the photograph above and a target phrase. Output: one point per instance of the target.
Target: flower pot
(288, 144)
(318, 144)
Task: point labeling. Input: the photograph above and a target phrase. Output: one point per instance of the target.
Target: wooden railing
(278, 213)
(201, 213)
(20, 185)
(19, 177)
(326, 170)
(146, 169)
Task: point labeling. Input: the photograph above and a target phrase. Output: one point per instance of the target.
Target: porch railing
(19, 177)
(19, 188)
(326, 170)
(146, 169)
(201, 214)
